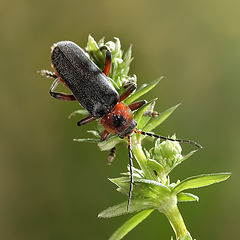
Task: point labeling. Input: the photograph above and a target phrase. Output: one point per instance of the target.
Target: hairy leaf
(120, 209)
(200, 181)
(89, 140)
(187, 197)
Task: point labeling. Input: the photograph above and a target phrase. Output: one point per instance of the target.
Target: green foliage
(200, 181)
(153, 189)
(130, 224)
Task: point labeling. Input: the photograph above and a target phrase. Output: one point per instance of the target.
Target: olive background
(52, 187)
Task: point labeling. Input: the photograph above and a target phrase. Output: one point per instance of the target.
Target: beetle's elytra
(88, 83)
(92, 89)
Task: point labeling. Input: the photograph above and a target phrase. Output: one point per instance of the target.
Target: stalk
(141, 158)
(176, 221)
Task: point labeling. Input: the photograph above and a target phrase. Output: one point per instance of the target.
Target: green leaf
(187, 197)
(95, 54)
(200, 181)
(142, 91)
(152, 182)
(130, 224)
(127, 59)
(154, 122)
(94, 133)
(117, 52)
(92, 45)
(110, 143)
(187, 237)
(145, 118)
(120, 209)
(154, 165)
(187, 156)
(121, 181)
(101, 42)
(89, 140)
(139, 113)
(83, 112)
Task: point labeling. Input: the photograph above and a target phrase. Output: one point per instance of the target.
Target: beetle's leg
(58, 95)
(108, 60)
(104, 135)
(111, 155)
(48, 74)
(136, 105)
(85, 120)
(131, 172)
(151, 114)
(127, 92)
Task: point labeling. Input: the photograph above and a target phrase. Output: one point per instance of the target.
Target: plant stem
(170, 209)
(141, 159)
(176, 221)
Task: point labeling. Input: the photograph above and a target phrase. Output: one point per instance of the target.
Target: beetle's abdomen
(88, 84)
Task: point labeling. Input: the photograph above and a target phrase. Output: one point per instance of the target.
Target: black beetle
(92, 89)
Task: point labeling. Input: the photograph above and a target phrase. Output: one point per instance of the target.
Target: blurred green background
(52, 187)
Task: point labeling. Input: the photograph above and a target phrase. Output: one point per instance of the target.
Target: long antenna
(131, 172)
(170, 139)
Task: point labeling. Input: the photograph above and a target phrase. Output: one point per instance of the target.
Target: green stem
(176, 221)
(170, 209)
(141, 159)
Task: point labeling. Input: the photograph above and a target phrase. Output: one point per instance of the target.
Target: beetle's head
(120, 121)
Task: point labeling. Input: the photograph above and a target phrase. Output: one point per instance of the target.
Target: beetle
(93, 90)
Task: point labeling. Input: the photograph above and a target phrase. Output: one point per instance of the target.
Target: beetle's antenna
(131, 172)
(170, 139)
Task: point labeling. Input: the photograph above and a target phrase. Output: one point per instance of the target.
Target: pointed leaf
(101, 42)
(152, 182)
(110, 143)
(154, 122)
(94, 133)
(139, 113)
(187, 237)
(120, 209)
(83, 112)
(145, 118)
(92, 45)
(187, 156)
(94, 52)
(121, 181)
(142, 91)
(130, 224)
(89, 140)
(162, 190)
(154, 165)
(200, 181)
(187, 197)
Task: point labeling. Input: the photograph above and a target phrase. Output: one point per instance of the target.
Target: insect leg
(136, 105)
(85, 120)
(108, 60)
(131, 172)
(129, 90)
(111, 156)
(170, 139)
(58, 95)
(104, 135)
(151, 114)
(48, 74)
